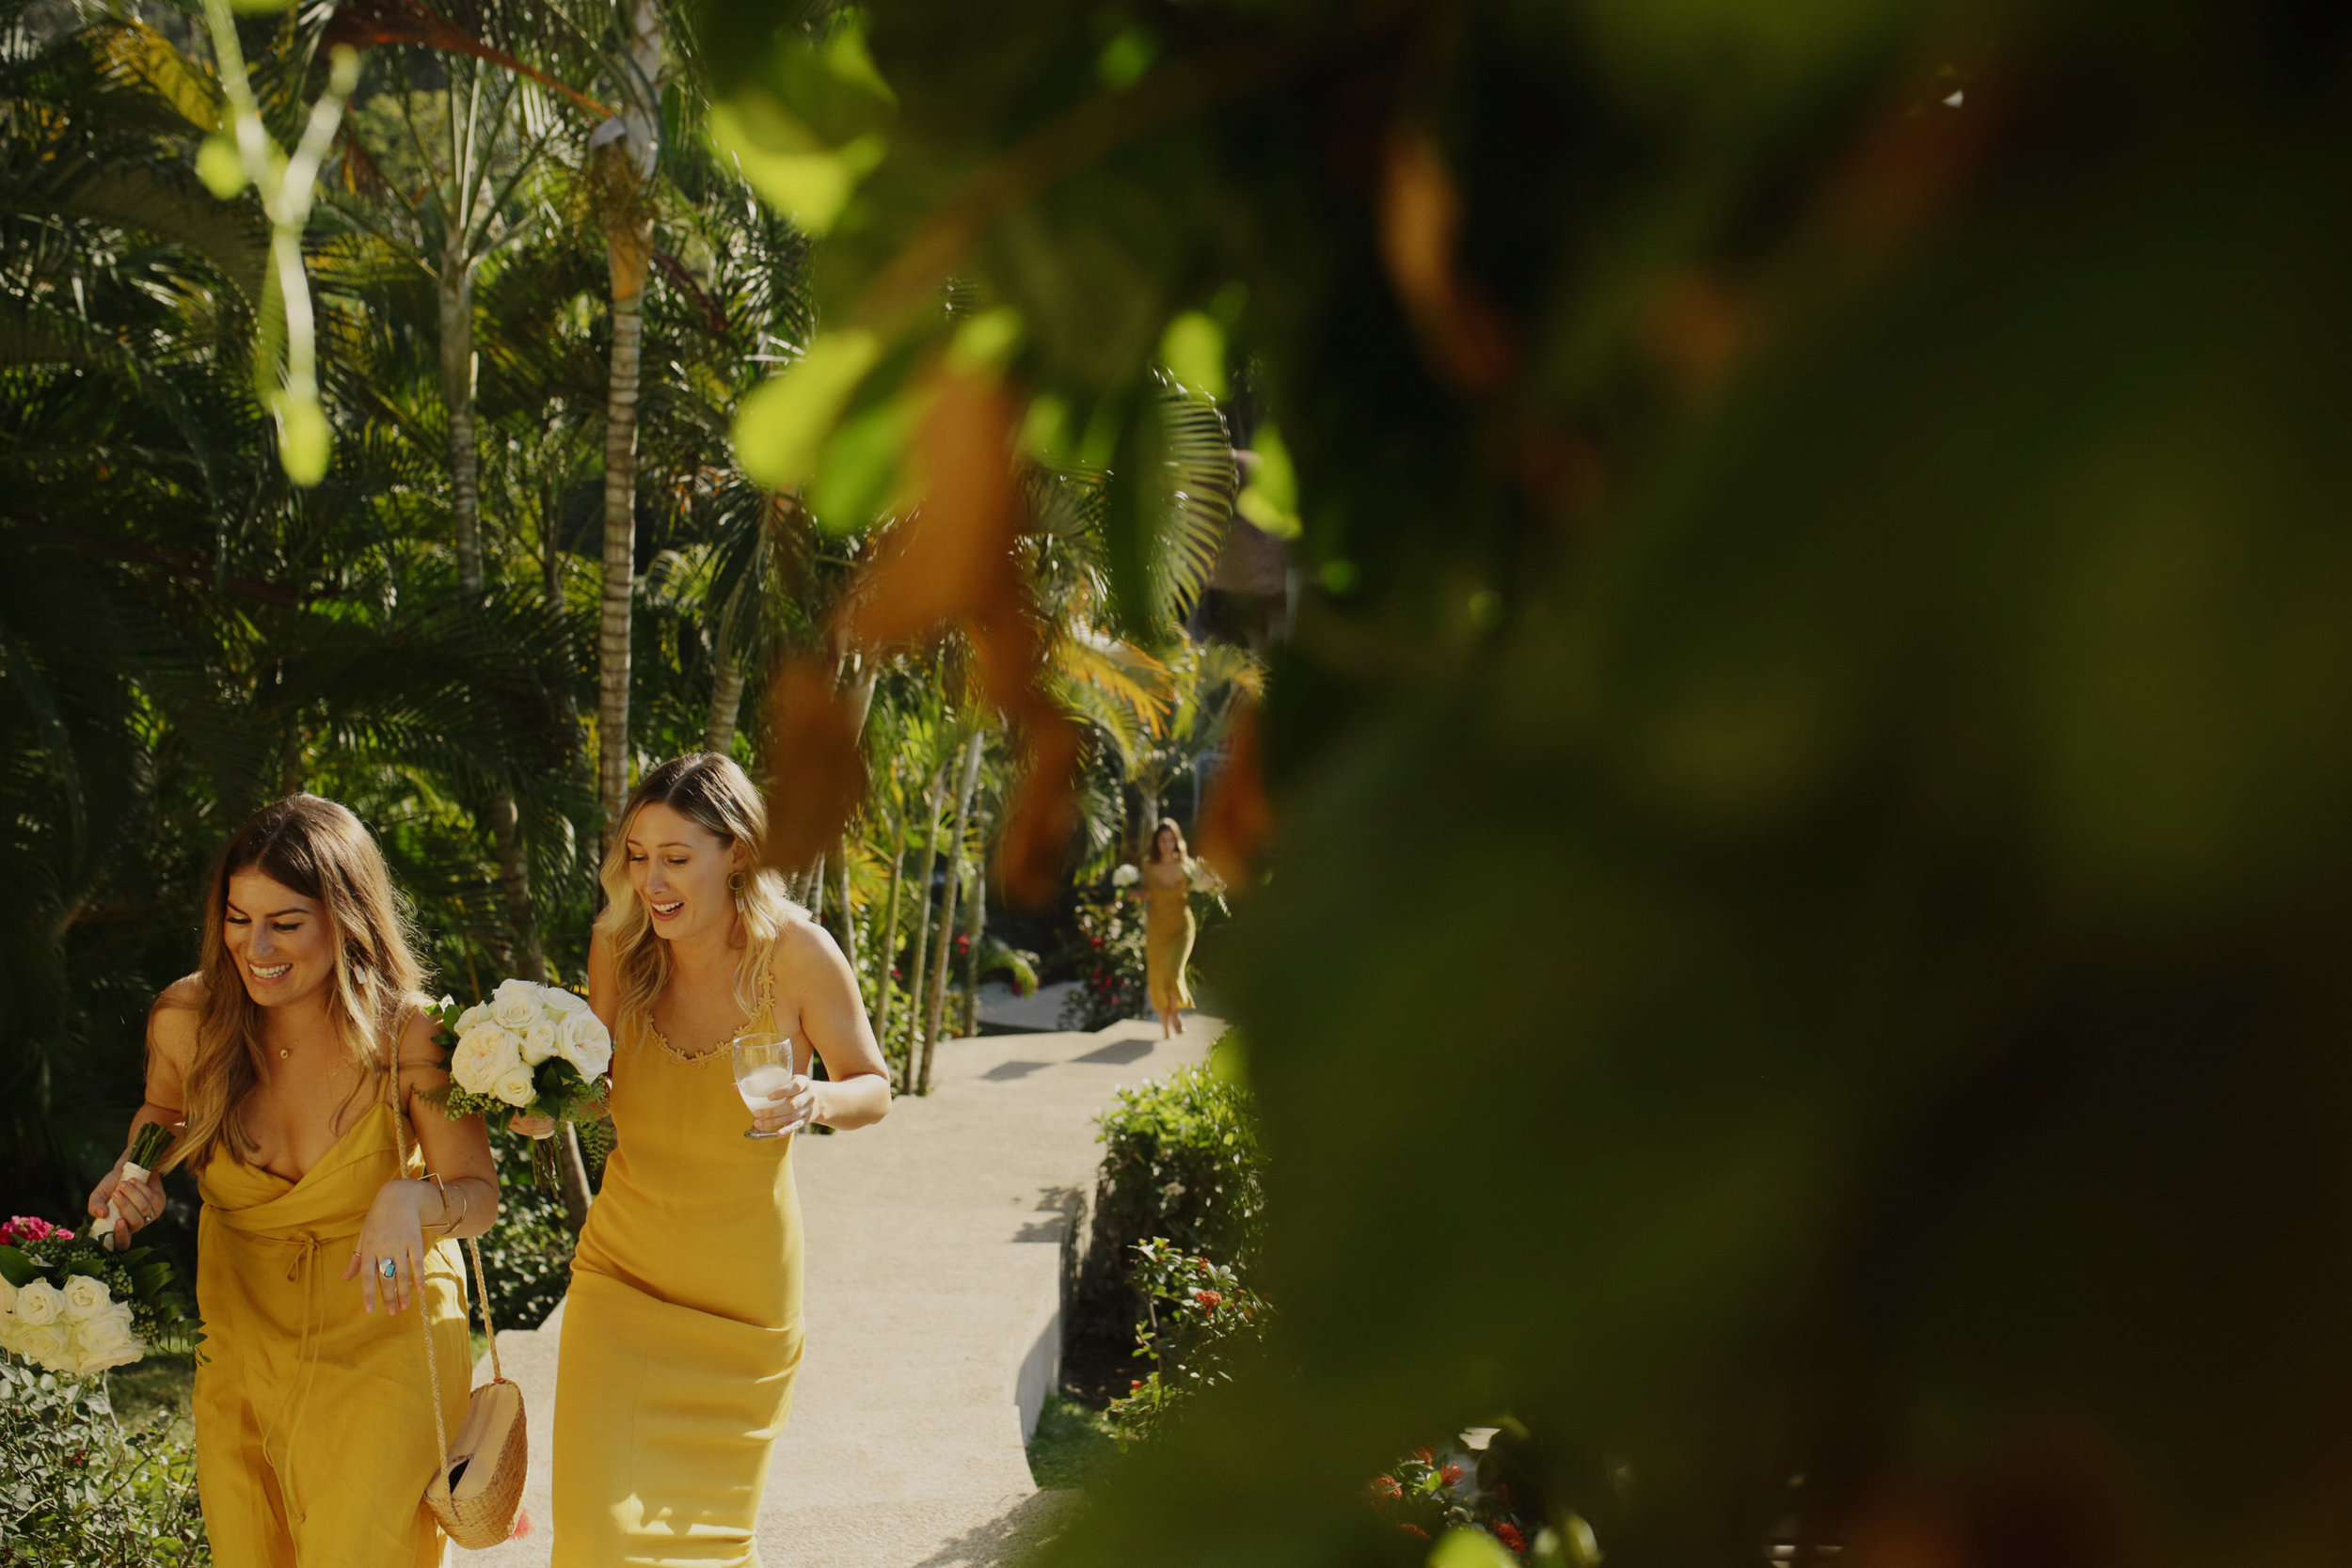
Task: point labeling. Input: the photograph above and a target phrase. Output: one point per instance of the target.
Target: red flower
(21, 1228)
(1428, 1456)
(1451, 1474)
(1386, 1486)
(1414, 1529)
(1509, 1533)
(1501, 1494)
(1209, 1299)
(1094, 941)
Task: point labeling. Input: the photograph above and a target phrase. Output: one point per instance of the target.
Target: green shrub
(80, 1489)
(1196, 1314)
(528, 1253)
(1181, 1162)
(1106, 957)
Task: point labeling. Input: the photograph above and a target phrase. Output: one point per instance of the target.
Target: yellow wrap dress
(682, 1330)
(313, 1437)
(1168, 933)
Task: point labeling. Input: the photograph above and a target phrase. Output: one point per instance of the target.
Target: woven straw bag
(478, 1490)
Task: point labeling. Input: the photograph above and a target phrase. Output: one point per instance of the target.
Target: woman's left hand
(791, 1109)
(394, 1229)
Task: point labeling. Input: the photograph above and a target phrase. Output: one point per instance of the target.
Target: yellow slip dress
(1168, 933)
(313, 1439)
(682, 1330)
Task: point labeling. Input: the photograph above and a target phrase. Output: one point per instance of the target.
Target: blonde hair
(712, 791)
(320, 850)
(1168, 825)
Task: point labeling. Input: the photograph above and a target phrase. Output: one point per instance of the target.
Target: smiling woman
(292, 1066)
(682, 1331)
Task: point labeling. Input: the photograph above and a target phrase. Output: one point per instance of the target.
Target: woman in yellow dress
(682, 1329)
(1165, 890)
(289, 1062)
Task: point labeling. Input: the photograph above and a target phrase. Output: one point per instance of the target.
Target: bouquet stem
(542, 1163)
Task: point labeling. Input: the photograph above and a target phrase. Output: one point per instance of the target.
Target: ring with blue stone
(389, 1269)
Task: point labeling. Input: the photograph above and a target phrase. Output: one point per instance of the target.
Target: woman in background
(682, 1331)
(1168, 925)
(294, 1064)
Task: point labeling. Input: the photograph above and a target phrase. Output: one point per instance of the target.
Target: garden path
(936, 1256)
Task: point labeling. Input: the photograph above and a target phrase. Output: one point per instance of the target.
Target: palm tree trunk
(922, 930)
(726, 702)
(847, 918)
(629, 254)
(620, 545)
(964, 789)
(977, 927)
(886, 935)
(455, 288)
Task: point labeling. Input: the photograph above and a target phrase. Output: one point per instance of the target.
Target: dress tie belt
(303, 1265)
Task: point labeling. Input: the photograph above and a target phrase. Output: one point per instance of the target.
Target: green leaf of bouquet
(16, 1268)
(151, 1278)
(780, 432)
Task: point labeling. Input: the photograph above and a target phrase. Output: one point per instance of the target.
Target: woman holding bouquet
(1169, 928)
(682, 1330)
(294, 1065)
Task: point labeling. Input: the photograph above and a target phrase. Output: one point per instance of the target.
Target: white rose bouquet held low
(531, 1049)
(1127, 876)
(71, 1305)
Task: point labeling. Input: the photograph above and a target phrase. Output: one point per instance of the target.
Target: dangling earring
(735, 883)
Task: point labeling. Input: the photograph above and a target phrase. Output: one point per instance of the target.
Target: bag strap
(401, 1134)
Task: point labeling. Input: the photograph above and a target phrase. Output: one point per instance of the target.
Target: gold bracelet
(448, 1226)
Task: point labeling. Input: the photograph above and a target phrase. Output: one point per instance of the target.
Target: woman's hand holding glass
(781, 1100)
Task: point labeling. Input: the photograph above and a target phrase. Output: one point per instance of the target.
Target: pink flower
(21, 1228)
(522, 1524)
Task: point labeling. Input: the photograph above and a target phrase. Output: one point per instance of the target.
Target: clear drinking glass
(763, 1064)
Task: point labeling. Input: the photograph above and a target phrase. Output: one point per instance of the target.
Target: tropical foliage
(421, 622)
(1803, 802)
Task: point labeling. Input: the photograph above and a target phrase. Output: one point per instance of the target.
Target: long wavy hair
(1168, 825)
(320, 850)
(712, 791)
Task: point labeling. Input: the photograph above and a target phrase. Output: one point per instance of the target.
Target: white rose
(8, 1298)
(561, 1002)
(1126, 876)
(514, 1005)
(538, 1042)
(44, 1346)
(40, 1303)
(484, 1057)
(105, 1340)
(516, 1087)
(584, 1044)
(85, 1298)
(471, 1019)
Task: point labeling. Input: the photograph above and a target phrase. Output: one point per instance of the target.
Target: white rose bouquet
(71, 1305)
(1127, 876)
(528, 1047)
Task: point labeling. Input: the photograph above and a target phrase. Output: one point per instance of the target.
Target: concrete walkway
(936, 1259)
